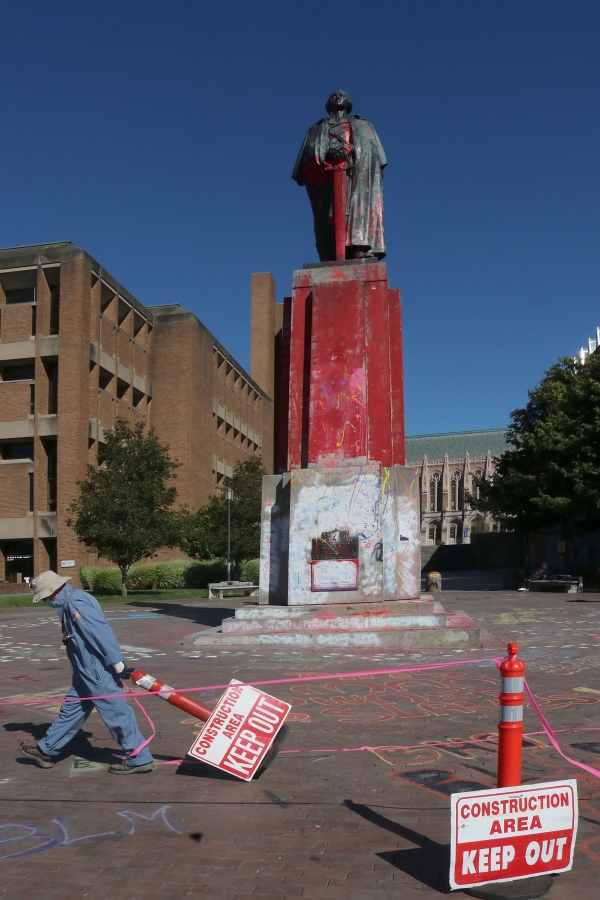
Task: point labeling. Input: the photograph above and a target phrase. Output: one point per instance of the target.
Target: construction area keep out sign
(509, 833)
(238, 735)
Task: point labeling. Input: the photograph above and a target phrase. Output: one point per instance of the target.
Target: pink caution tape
(147, 741)
(359, 674)
(455, 743)
(550, 733)
(221, 687)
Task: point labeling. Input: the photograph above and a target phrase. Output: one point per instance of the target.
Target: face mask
(52, 603)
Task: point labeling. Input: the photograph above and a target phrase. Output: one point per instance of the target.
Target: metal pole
(229, 499)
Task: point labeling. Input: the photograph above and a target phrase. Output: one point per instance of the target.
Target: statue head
(339, 100)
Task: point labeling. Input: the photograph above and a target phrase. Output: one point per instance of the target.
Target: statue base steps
(419, 624)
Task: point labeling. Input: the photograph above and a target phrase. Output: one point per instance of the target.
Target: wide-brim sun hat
(46, 584)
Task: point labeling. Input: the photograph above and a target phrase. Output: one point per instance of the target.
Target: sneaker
(122, 769)
(32, 751)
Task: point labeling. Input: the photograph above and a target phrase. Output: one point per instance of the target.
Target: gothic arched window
(434, 533)
(435, 492)
(456, 491)
(475, 491)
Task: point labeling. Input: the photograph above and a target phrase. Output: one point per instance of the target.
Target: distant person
(98, 667)
(542, 573)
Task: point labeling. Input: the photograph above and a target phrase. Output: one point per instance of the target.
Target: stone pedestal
(341, 380)
(340, 554)
(340, 535)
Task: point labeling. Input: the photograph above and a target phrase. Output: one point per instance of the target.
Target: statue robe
(364, 198)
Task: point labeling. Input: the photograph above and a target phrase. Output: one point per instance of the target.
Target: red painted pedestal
(342, 386)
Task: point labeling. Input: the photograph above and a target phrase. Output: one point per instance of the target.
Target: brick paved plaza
(326, 821)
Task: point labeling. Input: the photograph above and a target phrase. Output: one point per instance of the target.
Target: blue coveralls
(92, 651)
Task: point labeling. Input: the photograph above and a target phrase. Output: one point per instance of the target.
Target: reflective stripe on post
(510, 727)
(175, 698)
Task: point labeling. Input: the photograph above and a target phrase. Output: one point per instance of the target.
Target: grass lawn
(11, 600)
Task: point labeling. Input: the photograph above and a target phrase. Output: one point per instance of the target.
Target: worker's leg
(71, 717)
(118, 717)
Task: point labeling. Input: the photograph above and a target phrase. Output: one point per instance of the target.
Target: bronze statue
(344, 149)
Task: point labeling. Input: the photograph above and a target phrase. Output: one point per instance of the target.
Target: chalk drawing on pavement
(28, 839)
(81, 766)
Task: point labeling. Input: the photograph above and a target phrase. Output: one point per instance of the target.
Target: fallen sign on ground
(504, 834)
(241, 730)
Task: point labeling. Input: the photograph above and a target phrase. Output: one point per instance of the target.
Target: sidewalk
(325, 822)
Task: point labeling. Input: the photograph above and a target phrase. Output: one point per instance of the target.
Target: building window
(456, 492)
(434, 533)
(52, 373)
(21, 295)
(50, 447)
(475, 487)
(435, 493)
(454, 533)
(18, 556)
(54, 308)
(18, 450)
(19, 373)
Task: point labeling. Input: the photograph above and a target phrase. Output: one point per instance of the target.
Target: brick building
(77, 351)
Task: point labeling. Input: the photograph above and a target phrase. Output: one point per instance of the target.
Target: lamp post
(229, 496)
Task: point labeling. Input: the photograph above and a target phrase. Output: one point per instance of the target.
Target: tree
(204, 533)
(551, 479)
(123, 509)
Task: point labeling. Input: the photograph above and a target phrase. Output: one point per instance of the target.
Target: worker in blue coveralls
(98, 668)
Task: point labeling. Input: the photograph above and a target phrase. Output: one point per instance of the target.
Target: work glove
(122, 670)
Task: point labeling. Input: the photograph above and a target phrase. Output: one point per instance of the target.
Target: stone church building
(447, 463)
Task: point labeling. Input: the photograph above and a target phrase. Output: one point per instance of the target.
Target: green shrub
(170, 574)
(94, 578)
(177, 573)
(107, 580)
(250, 571)
(141, 578)
(201, 574)
(87, 577)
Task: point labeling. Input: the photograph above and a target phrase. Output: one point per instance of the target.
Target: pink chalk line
(456, 743)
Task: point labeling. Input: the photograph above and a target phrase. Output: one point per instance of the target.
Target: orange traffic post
(175, 698)
(510, 727)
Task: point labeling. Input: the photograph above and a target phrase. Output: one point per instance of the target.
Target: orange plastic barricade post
(175, 698)
(243, 733)
(510, 727)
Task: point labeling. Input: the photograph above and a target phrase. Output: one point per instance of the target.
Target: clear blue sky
(161, 137)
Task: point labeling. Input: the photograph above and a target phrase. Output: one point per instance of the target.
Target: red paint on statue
(346, 391)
